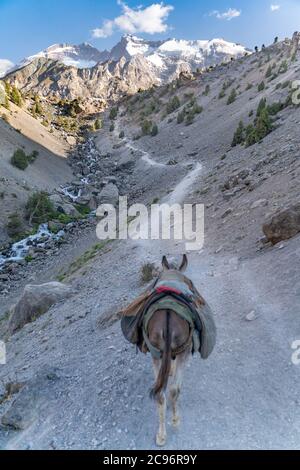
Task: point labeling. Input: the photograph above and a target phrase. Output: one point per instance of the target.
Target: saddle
(176, 292)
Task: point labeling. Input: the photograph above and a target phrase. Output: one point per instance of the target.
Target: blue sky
(27, 26)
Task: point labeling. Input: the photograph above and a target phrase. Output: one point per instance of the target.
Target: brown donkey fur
(167, 331)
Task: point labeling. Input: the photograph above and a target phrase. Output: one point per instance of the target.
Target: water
(19, 250)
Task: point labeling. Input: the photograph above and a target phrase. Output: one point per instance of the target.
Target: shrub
(14, 224)
(239, 135)
(16, 96)
(112, 127)
(39, 208)
(180, 117)
(261, 86)
(207, 90)
(283, 67)
(269, 72)
(190, 118)
(249, 86)
(122, 135)
(33, 156)
(147, 272)
(98, 124)
(222, 94)
(154, 130)
(173, 104)
(19, 160)
(113, 113)
(146, 127)
(261, 105)
(232, 96)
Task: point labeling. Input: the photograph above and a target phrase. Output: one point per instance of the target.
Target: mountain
(81, 56)
(99, 77)
(5, 67)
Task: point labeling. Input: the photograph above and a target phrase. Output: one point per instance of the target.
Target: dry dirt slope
(86, 386)
(48, 171)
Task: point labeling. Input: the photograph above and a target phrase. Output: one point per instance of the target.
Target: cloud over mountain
(151, 20)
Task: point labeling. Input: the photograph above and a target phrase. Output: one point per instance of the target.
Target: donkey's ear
(165, 263)
(184, 263)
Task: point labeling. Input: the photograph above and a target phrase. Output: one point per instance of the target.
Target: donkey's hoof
(176, 421)
(161, 440)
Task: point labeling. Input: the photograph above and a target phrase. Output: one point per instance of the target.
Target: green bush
(239, 135)
(16, 96)
(113, 113)
(14, 224)
(173, 104)
(232, 96)
(261, 86)
(19, 160)
(33, 156)
(82, 209)
(154, 130)
(269, 72)
(98, 124)
(146, 127)
(39, 208)
(180, 117)
(283, 68)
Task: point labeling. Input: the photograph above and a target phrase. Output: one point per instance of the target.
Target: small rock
(251, 316)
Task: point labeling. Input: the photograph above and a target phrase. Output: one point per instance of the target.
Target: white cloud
(5, 66)
(226, 15)
(275, 7)
(149, 20)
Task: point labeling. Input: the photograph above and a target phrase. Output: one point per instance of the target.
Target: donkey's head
(168, 266)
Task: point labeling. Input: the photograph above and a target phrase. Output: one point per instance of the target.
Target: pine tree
(15, 96)
(232, 96)
(239, 136)
(154, 130)
(269, 72)
(264, 125)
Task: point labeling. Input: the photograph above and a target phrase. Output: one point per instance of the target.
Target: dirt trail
(244, 396)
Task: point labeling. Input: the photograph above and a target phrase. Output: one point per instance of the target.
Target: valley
(81, 386)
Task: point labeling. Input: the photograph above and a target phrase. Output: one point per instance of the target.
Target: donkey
(170, 334)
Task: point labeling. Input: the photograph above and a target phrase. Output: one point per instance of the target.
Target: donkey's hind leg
(175, 388)
(161, 435)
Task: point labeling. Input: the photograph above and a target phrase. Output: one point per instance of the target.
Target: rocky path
(88, 389)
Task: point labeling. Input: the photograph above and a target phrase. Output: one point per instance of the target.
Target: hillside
(98, 78)
(82, 385)
(50, 170)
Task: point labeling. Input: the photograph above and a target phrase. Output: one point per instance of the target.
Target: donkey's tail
(163, 375)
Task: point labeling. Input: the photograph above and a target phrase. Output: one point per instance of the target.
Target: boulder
(109, 195)
(35, 301)
(284, 225)
(70, 210)
(127, 162)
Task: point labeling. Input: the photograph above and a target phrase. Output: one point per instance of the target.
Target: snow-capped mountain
(81, 56)
(5, 67)
(98, 77)
(162, 54)
(199, 52)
